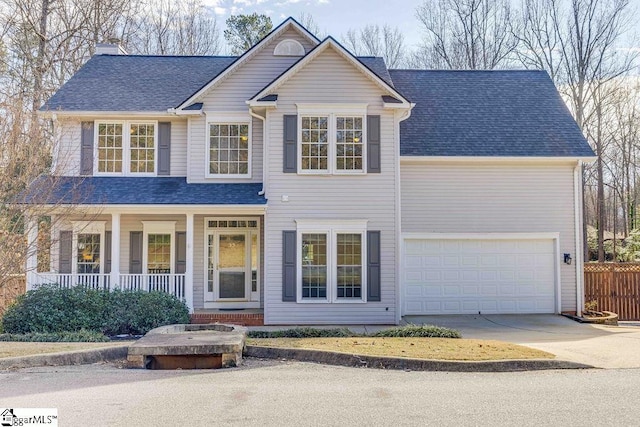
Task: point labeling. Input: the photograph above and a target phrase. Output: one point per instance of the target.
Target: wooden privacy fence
(615, 287)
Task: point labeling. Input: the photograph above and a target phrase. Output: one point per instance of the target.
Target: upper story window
(331, 142)
(126, 147)
(229, 147)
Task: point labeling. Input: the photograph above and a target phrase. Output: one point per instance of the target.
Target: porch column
(115, 250)
(188, 276)
(32, 250)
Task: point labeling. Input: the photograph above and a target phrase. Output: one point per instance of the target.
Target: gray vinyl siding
(68, 144)
(229, 96)
(330, 79)
(493, 198)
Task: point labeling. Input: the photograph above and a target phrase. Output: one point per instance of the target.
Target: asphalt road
(278, 393)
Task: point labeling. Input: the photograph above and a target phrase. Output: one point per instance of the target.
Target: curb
(80, 357)
(383, 362)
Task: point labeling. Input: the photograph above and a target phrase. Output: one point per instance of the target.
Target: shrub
(411, 331)
(53, 309)
(303, 333)
(79, 336)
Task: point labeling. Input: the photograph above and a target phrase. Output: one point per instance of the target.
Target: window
(110, 147)
(315, 143)
(157, 252)
(126, 147)
(88, 247)
(331, 140)
(331, 261)
(229, 149)
(88, 253)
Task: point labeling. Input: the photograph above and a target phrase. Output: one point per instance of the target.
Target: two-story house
(312, 186)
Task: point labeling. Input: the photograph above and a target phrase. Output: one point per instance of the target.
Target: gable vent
(289, 47)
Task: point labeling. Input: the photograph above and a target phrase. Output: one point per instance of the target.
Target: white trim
(126, 147)
(228, 119)
(212, 299)
(499, 236)
(282, 28)
(158, 227)
(190, 261)
(102, 114)
(331, 228)
(326, 43)
(491, 159)
(115, 248)
(162, 209)
(579, 250)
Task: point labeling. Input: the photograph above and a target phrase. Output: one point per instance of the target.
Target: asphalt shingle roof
(98, 190)
(486, 113)
(136, 83)
(147, 83)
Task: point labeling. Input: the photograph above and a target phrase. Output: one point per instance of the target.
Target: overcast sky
(335, 17)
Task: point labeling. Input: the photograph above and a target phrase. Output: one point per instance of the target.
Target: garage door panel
(467, 276)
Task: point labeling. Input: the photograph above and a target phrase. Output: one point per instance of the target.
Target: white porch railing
(94, 281)
(173, 284)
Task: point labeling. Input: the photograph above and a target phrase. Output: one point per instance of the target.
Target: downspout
(264, 150)
(402, 117)
(577, 197)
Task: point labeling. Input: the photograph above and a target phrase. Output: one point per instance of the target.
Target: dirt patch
(415, 348)
(18, 349)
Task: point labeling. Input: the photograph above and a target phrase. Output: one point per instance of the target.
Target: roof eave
(248, 54)
(505, 159)
(86, 113)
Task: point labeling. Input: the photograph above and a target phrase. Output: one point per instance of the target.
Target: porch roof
(103, 190)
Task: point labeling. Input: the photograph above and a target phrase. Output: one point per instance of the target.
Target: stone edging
(80, 357)
(381, 362)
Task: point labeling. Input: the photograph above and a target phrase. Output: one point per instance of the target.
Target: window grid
(315, 143)
(349, 143)
(110, 147)
(229, 149)
(314, 266)
(232, 224)
(159, 253)
(142, 148)
(211, 268)
(349, 265)
(88, 256)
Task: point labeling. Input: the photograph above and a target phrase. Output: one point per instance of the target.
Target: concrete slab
(168, 343)
(597, 345)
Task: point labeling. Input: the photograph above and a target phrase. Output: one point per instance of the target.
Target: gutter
(264, 150)
(578, 207)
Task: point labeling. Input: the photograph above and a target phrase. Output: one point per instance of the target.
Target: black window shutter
(107, 252)
(181, 252)
(289, 256)
(86, 149)
(164, 148)
(64, 261)
(373, 266)
(373, 144)
(290, 151)
(135, 252)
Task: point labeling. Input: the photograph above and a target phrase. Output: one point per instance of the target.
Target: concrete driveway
(600, 346)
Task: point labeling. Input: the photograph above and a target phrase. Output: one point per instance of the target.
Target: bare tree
(465, 34)
(374, 40)
(307, 21)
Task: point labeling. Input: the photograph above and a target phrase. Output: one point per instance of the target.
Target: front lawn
(19, 349)
(415, 348)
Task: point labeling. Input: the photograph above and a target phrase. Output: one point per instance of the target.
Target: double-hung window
(126, 147)
(88, 247)
(228, 146)
(158, 254)
(331, 140)
(332, 261)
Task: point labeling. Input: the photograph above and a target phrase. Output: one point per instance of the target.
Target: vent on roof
(289, 47)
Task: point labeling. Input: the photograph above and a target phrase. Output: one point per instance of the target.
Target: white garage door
(471, 276)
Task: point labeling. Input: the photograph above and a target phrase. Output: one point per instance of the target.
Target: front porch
(211, 260)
